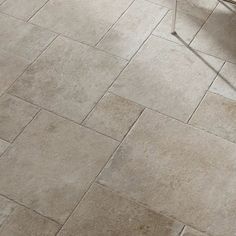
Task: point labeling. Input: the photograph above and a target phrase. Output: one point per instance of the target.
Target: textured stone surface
(192, 232)
(3, 146)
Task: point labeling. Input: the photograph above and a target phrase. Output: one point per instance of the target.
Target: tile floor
(110, 125)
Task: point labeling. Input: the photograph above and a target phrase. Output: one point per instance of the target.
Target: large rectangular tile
(217, 115)
(11, 68)
(167, 77)
(86, 21)
(217, 37)
(18, 221)
(225, 83)
(15, 114)
(179, 171)
(23, 39)
(22, 9)
(133, 28)
(103, 212)
(68, 78)
(52, 163)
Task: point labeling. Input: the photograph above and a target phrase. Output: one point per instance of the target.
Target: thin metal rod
(174, 17)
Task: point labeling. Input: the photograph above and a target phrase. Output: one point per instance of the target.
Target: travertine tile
(68, 78)
(133, 28)
(167, 77)
(113, 116)
(52, 163)
(178, 170)
(86, 21)
(11, 67)
(217, 37)
(186, 26)
(22, 9)
(104, 213)
(15, 114)
(18, 221)
(23, 39)
(217, 115)
(3, 146)
(192, 232)
(225, 83)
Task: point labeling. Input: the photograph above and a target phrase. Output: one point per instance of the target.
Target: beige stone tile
(113, 116)
(125, 38)
(217, 115)
(11, 67)
(167, 77)
(225, 83)
(68, 78)
(104, 213)
(3, 146)
(52, 163)
(217, 37)
(86, 21)
(15, 114)
(186, 26)
(179, 171)
(18, 221)
(23, 39)
(192, 232)
(22, 9)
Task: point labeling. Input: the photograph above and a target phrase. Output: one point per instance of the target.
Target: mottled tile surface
(52, 164)
(104, 213)
(3, 146)
(225, 83)
(69, 78)
(217, 115)
(167, 77)
(86, 21)
(125, 38)
(15, 114)
(179, 171)
(23, 39)
(22, 9)
(113, 116)
(217, 37)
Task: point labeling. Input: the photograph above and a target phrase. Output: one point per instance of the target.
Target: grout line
(182, 231)
(3, 2)
(22, 205)
(37, 11)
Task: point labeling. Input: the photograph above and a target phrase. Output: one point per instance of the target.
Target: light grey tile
(22, 9)
(52, 163)
(133, 28)
(68, 78)
(179, 171)
(23, 39)
(15, 114)
(217, 115)
(11, 67)
(225, 83)
(3, 146)
(105, 213)
(167, 77)
(86, 21)
(113, 116)
(18, 221)
(217, 37)
(192, 232)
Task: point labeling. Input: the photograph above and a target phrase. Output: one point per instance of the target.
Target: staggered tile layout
(110, 125)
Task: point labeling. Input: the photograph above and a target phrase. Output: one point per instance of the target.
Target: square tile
(167, 77)
(23, 39)
(52, 163)
(86, 21)
(69, 78)
(15, 114)
(225, 83)
(192, 232)
(3, 146)
(22, 9)
(177, 170)
(103, 212)
(217, 115)
(113, 116)
(217, 37)
(11, 68)
(18, 221)
(125, 38)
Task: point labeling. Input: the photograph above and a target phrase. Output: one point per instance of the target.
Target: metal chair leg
(174, 17)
